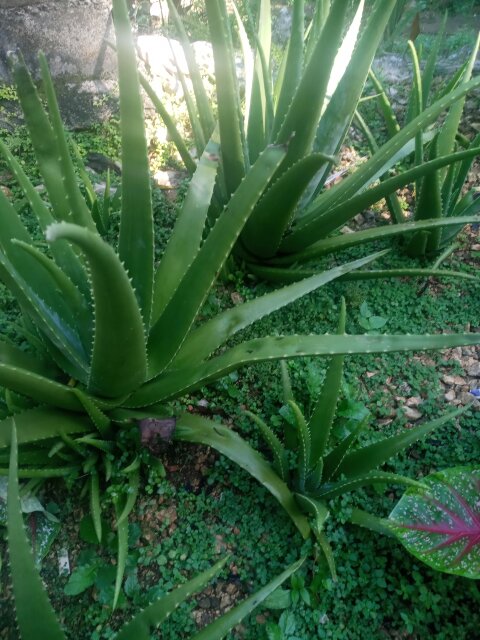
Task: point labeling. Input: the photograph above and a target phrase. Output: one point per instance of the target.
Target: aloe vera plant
(35, 615)
(310, 106)
(113, 334)
(309, 467)
(439, 194)
(438, 522)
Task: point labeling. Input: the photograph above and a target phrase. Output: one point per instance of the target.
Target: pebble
(412, 413)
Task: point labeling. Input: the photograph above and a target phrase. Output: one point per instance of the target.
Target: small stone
(414, 401)
(412, 414)
(474, 370)
(204, 603)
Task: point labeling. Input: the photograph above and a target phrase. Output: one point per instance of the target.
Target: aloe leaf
(276, 447)
(369, 521)
(446, 138)
(184, 380)
(461, 176)
(339, 112)
(417, 104)
(43, 139)
(393, 203)
(159, 610)
(326, 221)
(186, 238)
(17, 374)
(288, 275)
(79, 315)
(303, 449)
(169, 122)
(170, 331)
(35, 616)
(257, 110)
(122, 552)
(372, 456)
(199, 430)
(292, 71)
(96, 415)
(334, 489)
(440, 524)
(63, 254)
(336, 243)
(118, 363)
(362, 176)
(212, 334)
(205, 112)
(429, 206)
(427, 76)
(136, 223)
(193, 117)
(344, 54)
(266, 226)
(385, 105)
(335, 457)
(38, 294)
(219, 628)
(321, 420)
(133, 487)
(229, 116)
(35, 425)
(248, 63)
(80, 213)
(95, 508)
(304, 111)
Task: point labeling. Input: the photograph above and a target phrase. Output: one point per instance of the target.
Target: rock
(474, 370)
(412, 414)
(453, 380)
(414, 401)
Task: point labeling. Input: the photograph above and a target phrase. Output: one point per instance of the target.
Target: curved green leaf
(118, 363)
(178, 382)
(136, 224)
(372, 456)
(219, 628)
(212, 334)
(35, 616)
(153, 615)
(332, 490)
(186, 238)
(35, 425)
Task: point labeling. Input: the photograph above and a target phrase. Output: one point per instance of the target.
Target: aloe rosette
(113, 335)
(440, 194)
(310, 104)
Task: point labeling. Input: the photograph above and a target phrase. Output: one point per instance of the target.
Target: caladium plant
(440, 523)
(309, 104)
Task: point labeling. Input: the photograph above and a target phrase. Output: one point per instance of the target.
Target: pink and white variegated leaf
(441, 526)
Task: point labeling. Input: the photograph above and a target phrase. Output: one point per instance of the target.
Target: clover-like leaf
(441, 526)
